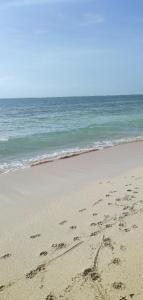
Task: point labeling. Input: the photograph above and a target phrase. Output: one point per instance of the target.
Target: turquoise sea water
(37, 129)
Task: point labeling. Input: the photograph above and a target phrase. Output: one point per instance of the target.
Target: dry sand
(72, 229)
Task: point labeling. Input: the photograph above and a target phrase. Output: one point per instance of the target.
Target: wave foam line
(65, 154)
(97, 147)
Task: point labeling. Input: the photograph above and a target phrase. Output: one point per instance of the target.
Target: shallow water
(36, 129)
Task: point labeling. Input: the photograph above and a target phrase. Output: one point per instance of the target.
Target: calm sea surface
(37, 129)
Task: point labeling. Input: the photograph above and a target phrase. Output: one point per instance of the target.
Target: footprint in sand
(109, 225)
(73, 227)
(62, 222)
(94, 214)
(112, 192)
(97, 202)
(35, 236)
(2, 287)
(134, 226)
(125, 298)
(116, 261)
(43, 253)
(126, 207)
(100, 223)
(123, 248)
(5, 256)
(121, 225)
(34, 272)
(51, 297)
(76, 238)
(108, 243)
(90, 272)
(118, 285)
(127, 229)
(59, 246)
(81, 210)
(118, 199)
(125, 214)
(93, 224)
(95, 233)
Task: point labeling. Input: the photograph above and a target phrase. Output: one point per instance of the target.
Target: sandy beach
(72, 229)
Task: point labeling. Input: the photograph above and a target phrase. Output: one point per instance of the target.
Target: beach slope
(72, 229)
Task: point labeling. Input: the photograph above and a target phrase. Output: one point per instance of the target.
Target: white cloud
(92, 18)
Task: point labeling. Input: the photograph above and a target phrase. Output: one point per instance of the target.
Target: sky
(70, 47)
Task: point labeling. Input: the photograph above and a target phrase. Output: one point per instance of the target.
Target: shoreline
(36, 187)
(73, 228)
(72, 154)
(82, 152)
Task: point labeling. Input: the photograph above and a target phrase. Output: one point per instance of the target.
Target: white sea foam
(4, 139)
(13, 166)
(75, 151)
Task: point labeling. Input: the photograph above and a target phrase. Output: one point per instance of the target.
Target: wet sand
(72, 229)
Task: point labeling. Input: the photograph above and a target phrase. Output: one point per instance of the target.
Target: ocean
(33, 130)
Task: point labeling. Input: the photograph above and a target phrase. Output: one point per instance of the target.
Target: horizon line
(52, 97)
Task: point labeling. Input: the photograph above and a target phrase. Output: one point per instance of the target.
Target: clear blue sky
(70, 47)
